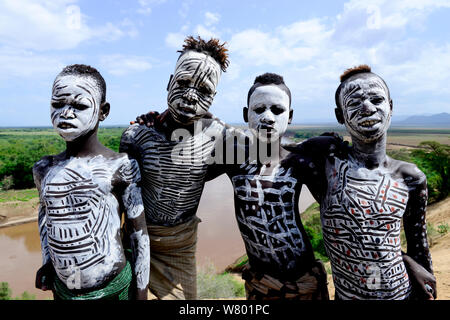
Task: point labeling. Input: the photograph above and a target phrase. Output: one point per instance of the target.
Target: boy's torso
(361, 221)
(83, 219)
(173, 172)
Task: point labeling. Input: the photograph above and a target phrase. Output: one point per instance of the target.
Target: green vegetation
(21, 148)
(18, 195)
(312, 225)
(211, 285)
(6, 293)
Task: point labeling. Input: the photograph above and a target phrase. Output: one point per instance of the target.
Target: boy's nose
(191, 95)
(68, 113)
(368, 108)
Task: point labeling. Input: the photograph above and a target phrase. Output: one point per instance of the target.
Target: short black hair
(347, 74)
(85, 70)
(211, 47)
(267, 79)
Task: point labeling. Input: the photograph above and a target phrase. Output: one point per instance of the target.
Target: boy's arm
(416, 231)
(137, 229)
(45, 274)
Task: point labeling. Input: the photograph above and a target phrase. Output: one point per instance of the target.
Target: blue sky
(134, 43)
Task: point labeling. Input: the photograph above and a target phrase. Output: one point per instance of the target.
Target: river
(219, 240)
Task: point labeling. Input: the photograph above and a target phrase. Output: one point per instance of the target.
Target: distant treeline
(20, 148)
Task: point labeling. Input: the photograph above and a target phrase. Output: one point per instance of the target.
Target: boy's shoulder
(41, 167)
(138, 134)
(409, 172)
(326, 145)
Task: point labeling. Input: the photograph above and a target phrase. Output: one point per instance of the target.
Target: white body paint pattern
(171, 190)
(140, 246)
(361, 220)
(267, 221)
(82, 217)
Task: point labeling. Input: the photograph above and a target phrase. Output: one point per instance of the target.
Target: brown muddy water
(219, 241)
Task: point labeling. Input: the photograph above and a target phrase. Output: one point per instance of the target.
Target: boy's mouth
(66, 125)
(369, 123)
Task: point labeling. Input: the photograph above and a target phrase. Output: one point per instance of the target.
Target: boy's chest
(366, 194)
(77, 186)
(271, 187)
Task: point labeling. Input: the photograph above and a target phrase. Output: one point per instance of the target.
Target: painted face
(366, 107)
(193, 86)
(75, 105)
(268, 112)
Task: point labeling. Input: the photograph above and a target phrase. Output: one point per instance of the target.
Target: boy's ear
(245, 114)
(339, 115)
(170, 80)
(291, 113)
(392, 105)
(104, 111)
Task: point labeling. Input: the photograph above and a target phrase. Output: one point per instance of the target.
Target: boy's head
(268, 110)
(192, 87)
(78, 101)
(363, 104)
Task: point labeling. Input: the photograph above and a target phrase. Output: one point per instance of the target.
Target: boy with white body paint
(266, 194)
(83, 191)
(171, 182)
(364, 195)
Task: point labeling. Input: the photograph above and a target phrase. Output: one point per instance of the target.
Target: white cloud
(145, 6)
(211, 18)
(48, 25)
(311, 54)
(118, 64)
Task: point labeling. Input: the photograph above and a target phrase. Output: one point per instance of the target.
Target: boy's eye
(183, 83)
(79, 106)
(377, 100)
(58, 105)
(276, 109)
(259, 110)
(204, 90)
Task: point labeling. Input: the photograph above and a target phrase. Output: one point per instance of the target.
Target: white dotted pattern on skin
(361, 220)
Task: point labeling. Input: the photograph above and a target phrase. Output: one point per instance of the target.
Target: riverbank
(21, 209)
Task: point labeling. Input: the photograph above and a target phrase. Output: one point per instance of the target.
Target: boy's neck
(169, 125)
(85, 146)
(372, 155)
(272, 152)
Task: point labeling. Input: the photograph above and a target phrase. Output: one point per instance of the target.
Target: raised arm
(137, 229)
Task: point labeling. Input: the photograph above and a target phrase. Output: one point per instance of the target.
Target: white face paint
(75, 105)
(366, 108)
(268, 112)
(193, 86)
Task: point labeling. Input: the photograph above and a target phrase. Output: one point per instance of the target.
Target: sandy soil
(17, 212)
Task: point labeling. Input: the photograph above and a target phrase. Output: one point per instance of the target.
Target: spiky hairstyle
(363, 68)
(85, 70)
(266, 79)
(211, 47)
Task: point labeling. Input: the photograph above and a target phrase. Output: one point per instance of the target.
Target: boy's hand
(148, 119)
(423, 282)
(44, 277)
